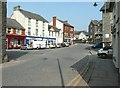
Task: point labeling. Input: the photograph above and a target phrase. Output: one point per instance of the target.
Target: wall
(3, 22)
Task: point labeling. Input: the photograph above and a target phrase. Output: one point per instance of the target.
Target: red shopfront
(15, 41)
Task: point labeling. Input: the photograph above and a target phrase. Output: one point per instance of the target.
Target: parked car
(58, 45)
(104, 52)
(97, 45)
(63, 44)
(66, 44)
(26, 47)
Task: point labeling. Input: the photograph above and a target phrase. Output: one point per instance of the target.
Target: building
(107, 18)
(95, 30)
(53, 34)
(15, 34)
(81, 35)
(3, 10)
(115, 8)
(36, 27)
(67, 31)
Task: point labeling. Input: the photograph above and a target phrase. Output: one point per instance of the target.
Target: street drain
(44, 58)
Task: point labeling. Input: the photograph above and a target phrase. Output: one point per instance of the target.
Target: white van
(39, 44)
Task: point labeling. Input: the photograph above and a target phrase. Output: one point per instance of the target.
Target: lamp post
(104, 35)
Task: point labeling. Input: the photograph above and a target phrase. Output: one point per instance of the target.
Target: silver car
(26, 47)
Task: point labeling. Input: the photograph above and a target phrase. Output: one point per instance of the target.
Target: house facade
(54, 34)
(66, 33)
(95, 30)
(15, 34)
(36, 27)
(107, 18)
(115, 8)
(81, 35)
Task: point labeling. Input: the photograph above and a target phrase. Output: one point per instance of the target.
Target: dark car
(63, 44)
(97, 45)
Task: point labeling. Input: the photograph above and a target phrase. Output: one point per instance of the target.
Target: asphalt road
(48, 67)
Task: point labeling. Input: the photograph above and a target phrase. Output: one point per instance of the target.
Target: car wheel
(104, 56)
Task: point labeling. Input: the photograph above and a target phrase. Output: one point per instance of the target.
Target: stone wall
(3, 12)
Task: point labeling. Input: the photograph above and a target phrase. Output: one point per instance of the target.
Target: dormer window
(18, 31)
(9, 30)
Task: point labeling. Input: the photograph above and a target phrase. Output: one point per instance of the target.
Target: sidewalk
(104, 72)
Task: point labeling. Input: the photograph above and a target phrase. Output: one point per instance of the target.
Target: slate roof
(107, 6)
(32, 15)
(78, 32)
(95, 22)
(55, 28)
(66, 23)
(12, 23)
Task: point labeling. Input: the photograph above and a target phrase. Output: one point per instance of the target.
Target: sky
(78, 14)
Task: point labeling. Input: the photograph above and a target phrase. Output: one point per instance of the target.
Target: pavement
(102, 72)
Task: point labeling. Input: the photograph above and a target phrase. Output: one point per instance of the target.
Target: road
(48, 67)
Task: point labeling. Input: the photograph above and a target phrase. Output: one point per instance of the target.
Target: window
(66, 34)
(71, 29)
(9, 30)
(29, 21)
(43, 24)
(29, 31)
(49, 33)
(18, 31)
(65, 27)
(58, 34)
(52, 33)
(37, 32)
(36, 23)
(43, 33)
(55, 33)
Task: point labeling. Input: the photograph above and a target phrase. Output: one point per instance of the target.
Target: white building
(36, 27)
(56, 23)
(83, 35)
(54, 34)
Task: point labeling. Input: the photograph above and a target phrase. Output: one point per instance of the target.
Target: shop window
(19, 42)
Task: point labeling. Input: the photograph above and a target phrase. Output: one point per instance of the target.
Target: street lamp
(95, 4)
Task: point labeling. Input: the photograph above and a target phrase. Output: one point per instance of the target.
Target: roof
(95, 22)
(106, 5)
(66, 23)
(32, 15)
(12, 23)
(78, 32)
(55, 28)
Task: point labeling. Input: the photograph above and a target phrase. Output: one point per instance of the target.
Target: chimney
(16, 8)
(54, 21)
(66, 21)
